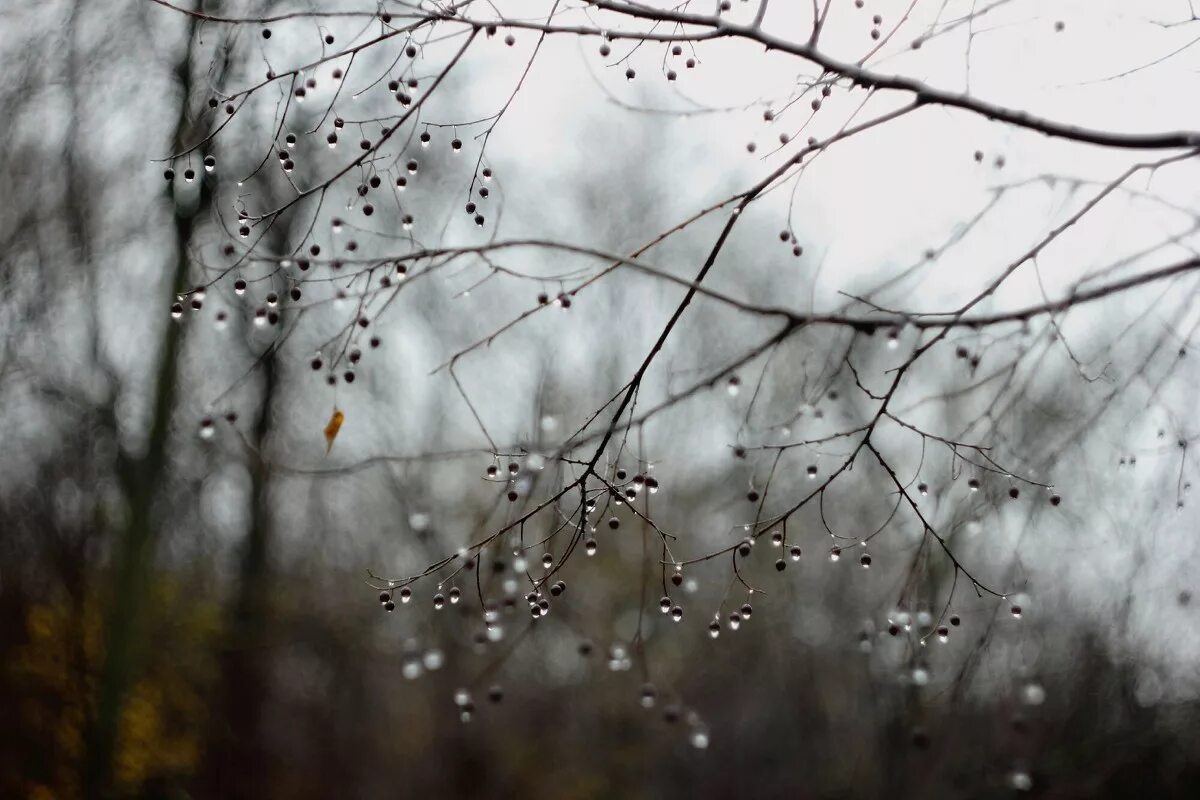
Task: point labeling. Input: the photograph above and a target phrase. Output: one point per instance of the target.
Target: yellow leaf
(331, 430)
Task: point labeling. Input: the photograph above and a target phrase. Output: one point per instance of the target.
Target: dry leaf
(331, 430)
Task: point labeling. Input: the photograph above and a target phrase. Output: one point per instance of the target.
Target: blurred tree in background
(598, 399)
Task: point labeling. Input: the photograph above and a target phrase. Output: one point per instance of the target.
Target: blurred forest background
(184, 602)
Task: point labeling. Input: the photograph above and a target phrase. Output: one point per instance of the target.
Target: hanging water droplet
(589, 547)
(795, 552)
(714, 629)
(439, 601)
(1020, 781)
(735, 620)
(699, 737)
(1033, 694)
(835, 553)
(676, 613)
(734, 386)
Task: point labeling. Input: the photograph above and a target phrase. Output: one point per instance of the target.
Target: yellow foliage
(332, 428)
(162, 721)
